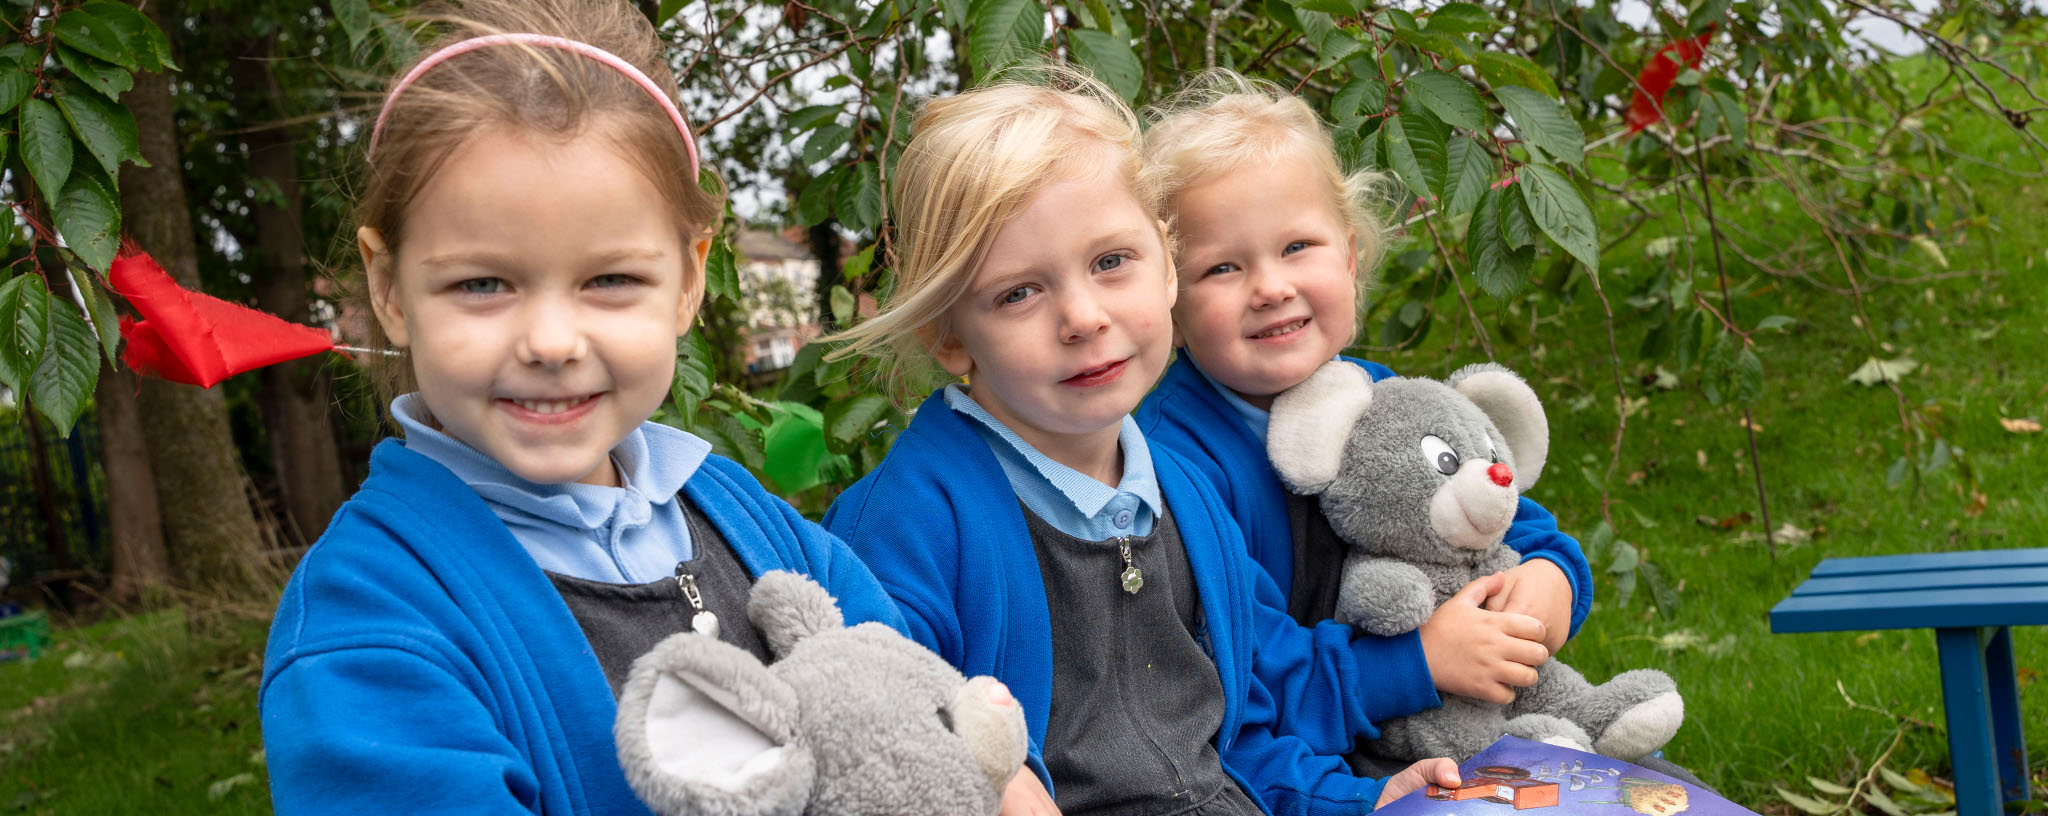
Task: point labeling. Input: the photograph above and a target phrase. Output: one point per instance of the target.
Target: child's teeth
(1280, 330)
(548, 406)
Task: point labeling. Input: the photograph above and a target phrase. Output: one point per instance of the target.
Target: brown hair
(545, 91)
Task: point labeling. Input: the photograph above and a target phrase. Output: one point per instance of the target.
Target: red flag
(192, 338)
(1648, 105)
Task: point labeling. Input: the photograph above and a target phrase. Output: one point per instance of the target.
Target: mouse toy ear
(1512, 405)
(703, 727)
(1310, 423)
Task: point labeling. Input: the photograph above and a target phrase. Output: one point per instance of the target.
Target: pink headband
(541, 41)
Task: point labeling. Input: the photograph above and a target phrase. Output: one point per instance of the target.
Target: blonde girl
(1026, 527)
(1277, 244)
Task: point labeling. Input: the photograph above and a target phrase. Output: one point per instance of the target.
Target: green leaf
(1825, 786)
(794, 444)
(1407, 327)
(1778, 322)
(857, 266)
(1749, 377)
(1558, 209)
(1108, 19)
(668, 10)
(24, 329)
(1728, 113)
(1462, 18)
(1661, 592)
(85, 31)
(45, 146)
(89, 218)
(1515, 227)
(1895, 475)
(1878, 799)
(1543, 122)
(1415, 154)
(1898, 780)
(824, 142)
(105, 321)
(844, 307)
(1471, 171)
(693, 374)
(1111, 59)
(860, 198)
(814, 202)
(809, 118)
(1451, 98)
(1932, 250)
(70, 367)
(1453, 48)
(721, 272)
(1332, 43)
(108, 130)
(849, 418)
(1003, 32)
(1501, 270)
(1499, 69)
(733, 440)
(137, 33)
(108, 79)
(1705, 13)
(877, 22)
(15, 84)
(1626, 558)
(1362, 96)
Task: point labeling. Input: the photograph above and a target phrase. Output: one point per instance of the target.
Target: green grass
(138, 714)
(1764, 709)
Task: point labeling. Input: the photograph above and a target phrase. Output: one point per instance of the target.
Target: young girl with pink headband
(533, 237)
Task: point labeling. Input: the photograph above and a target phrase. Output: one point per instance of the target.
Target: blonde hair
(542, 91)
(973, 160)
(1220, 121)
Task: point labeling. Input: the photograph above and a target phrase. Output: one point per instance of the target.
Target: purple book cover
(1518, 775)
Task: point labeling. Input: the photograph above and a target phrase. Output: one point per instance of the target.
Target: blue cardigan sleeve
(1534, 534)
(1290, 776)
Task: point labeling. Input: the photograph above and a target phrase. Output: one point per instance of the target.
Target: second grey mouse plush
(848, 721)
(1422, 478)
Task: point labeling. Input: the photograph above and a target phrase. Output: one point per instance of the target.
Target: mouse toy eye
(1439, 455)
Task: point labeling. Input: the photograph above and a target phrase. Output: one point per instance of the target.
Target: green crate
(24, 636)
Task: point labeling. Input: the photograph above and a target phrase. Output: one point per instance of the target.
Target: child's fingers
(1526, 654)
(1481, 590)
(1523, 627)
(1438, 771)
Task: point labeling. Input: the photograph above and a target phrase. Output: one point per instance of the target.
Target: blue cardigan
(1187, 414)
(421, 661)
(943, 532)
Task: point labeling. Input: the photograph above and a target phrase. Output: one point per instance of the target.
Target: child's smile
(1067, 322)
(540, 287)
(1269, 267)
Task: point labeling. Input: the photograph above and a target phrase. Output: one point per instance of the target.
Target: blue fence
(53, 502)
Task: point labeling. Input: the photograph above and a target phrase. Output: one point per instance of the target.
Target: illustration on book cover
(1516, 774)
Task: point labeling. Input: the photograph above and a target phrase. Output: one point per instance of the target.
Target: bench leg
(1965, 696)
(2011, 746)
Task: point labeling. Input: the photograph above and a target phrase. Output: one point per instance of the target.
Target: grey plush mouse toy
(1421, 479)
(857, 721)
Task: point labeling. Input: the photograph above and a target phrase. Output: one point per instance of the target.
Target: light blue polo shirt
(1071, 501)
(631, 534)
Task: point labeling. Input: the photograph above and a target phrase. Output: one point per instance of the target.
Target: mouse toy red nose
(1500, 474)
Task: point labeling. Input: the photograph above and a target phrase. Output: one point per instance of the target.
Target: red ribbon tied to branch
(192, 338)
(1657, 77)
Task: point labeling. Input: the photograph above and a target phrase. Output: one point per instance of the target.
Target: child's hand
(1479, 653)
(1026, 796)
(1439, 771)
(1538, 588)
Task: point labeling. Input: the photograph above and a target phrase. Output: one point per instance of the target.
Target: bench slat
(1937, 608)
(1989, 578)
(1927, 562)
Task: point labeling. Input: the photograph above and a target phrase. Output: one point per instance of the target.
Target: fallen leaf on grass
(1726, 523)
(1791, 534)
(2021, 425)
(1875, 371)
(222, 788)
(1865, 638)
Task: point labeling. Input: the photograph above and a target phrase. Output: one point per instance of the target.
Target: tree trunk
(824, 241)
(295, 394)
(211, 533)
(135, 558)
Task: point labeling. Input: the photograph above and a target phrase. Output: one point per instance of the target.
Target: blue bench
(1971, 600)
